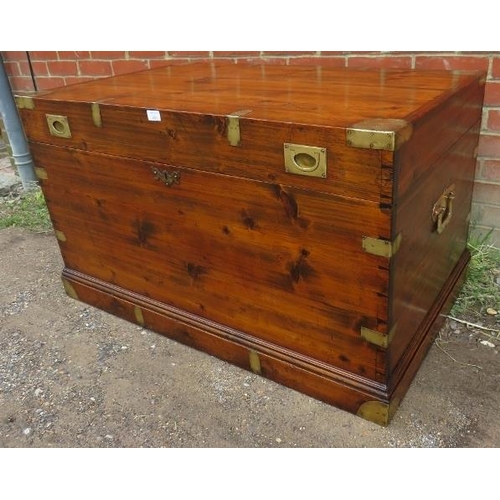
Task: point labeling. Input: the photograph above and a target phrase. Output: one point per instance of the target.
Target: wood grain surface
(315, 95)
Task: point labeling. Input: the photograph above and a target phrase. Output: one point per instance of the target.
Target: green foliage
(481, 289)
(27, 209)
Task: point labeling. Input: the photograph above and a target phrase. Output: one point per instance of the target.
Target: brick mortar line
(95, 60)
(455, 54)
(489, 76)
(211, 55)
(18, 68)
(147, 59)
(321, 53)
(59, 58)
(381, 56)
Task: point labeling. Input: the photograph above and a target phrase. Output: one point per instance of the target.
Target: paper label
(153, 115)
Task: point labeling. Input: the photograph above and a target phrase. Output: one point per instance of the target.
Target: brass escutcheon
(168, 178)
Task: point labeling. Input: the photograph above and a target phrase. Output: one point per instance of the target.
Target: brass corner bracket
(377, 338)
(378, 412)
(382, 248)
(96, 114)
(233, 126)
(70, 291)
(254, 361)
(60, 235)
(139, 317)
(41, 173)
(379, 134)
(24, 102)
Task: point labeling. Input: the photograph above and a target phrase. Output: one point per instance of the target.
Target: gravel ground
(72, 376)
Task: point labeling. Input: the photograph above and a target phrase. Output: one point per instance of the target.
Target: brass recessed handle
(168, 178)
(305, 160)
(58, 126)
(442, 210)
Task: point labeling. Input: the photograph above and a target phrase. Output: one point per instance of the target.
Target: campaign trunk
(307, 223)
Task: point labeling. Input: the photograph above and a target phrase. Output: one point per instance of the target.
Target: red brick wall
(56, 68)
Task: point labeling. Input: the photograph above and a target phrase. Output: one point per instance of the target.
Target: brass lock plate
(305, 160)
(58, 126)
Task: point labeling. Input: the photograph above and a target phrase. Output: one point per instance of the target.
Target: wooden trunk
(305, 223)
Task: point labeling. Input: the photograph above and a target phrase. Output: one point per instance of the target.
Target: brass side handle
(168, 178)
(442, 210)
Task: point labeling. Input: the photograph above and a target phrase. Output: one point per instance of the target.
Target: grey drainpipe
(15, 132)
